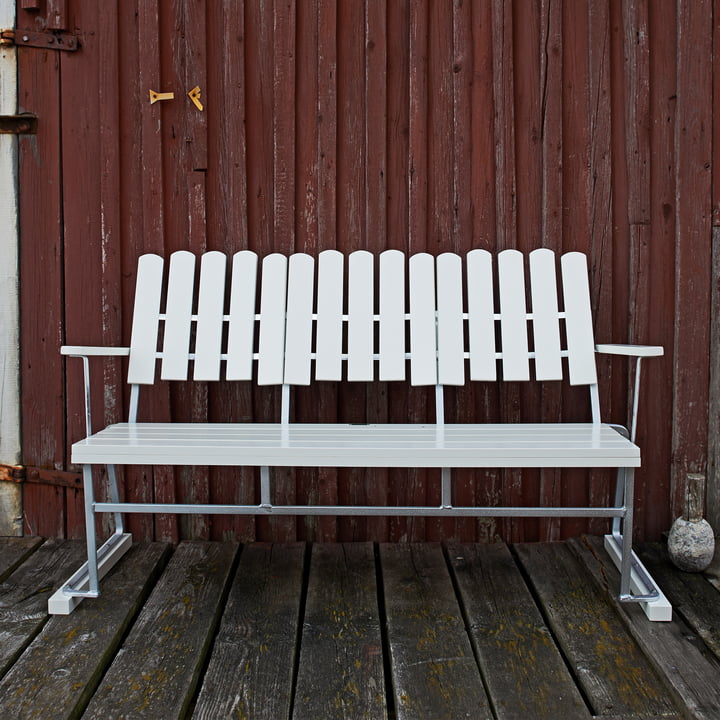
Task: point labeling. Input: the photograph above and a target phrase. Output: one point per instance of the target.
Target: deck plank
(57, 674)
(14, 551)
(615, 675)
(24, 595)
(340, 672)
(691, 595)
(434, 671)
(524, 671)
(250, 673)
(694, 680)
(156, 672)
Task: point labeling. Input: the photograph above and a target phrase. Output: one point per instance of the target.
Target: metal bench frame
(295, 316)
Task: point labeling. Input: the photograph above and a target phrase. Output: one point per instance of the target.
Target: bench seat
(338, 445)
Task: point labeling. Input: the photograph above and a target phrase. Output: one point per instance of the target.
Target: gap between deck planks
(396, 631)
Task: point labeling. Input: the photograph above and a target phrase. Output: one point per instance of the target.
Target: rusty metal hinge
(51, 40)
(40, 476)
(23, 124)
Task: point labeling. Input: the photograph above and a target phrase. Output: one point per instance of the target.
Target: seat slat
(211, 301)
(178, 316)
(298, 332)
(392, 315)
(481, 320)
(546, 325)
(451, 362)
(241, 330)
(273, 295)
(146, 320)
(513, 322)
(423, 344)
(328, 361)
(578, 319)
(360, 316)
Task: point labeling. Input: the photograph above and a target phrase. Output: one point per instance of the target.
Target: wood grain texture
(157, 672)
(341, 631)
(434, 673)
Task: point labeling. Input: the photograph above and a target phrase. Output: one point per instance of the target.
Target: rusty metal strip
(39, 476)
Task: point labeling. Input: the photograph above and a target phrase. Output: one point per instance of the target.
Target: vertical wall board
(41, 285)
(226, 195)
(693, 151)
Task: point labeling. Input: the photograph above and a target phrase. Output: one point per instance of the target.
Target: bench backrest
(454, 318)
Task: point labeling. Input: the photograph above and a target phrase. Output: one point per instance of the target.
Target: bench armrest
(638, 351)
(92, 351)
(84, 352)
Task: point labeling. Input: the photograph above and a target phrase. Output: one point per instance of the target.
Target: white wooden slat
(423, 345)
(513, 320)
(273, 294)
(241, 330)
(329, 329)
(481, 321)
(451, 361)
(546, 324)
(146, 320)
(298, 331)
(578, 319)
(392, 315)
(360, 316)
(211, 305)
(178, 316)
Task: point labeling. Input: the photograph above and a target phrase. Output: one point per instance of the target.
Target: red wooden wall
(411, 124)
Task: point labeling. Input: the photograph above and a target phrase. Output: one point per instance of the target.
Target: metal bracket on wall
(23, 124)
(40, 476)
(48, 40)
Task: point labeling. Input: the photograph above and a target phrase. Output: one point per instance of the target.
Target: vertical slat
(178, 316)
(273, 293)
(423, 345)
(360, 316)
(298, 331)
(211, 301)
(513, 321)
(392, 315)
(578, 319)
(546, 326)
(451, 362)
(144, 336)
(481, 320)
(328, 349)
(241, 331)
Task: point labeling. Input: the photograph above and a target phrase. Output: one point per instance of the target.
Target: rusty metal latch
(47, 40)
(23, 124)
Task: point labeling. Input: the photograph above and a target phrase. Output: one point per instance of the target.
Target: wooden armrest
(91, 351)
(631, 350)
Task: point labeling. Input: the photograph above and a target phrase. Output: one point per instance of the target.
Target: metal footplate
(645, 591)
(71, 594)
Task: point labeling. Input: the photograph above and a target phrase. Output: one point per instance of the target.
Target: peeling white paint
(10, 453)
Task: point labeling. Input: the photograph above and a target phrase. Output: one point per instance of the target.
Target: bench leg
(636, 584)
(85, 582)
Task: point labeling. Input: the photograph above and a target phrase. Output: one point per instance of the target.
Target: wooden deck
(208, 630)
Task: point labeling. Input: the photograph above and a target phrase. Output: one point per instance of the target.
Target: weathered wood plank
(59, 671)
(14, 551)
(341, 635)
(616, 677)
(251, 669)
(24, 595)
(434, 672)
(694, 680)
(524, 671)
(691, 595)
(156, 672)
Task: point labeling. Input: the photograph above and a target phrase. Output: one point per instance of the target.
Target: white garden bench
(432, 321)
